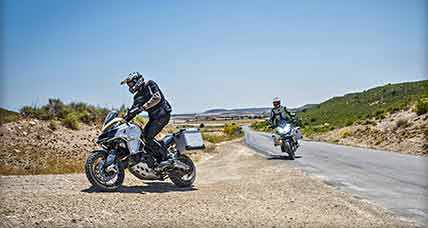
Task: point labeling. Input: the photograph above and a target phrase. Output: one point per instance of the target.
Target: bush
(56, 109)
(28, 111)
(213, 138)
(393, 110)
(421, 106)
(231, 129)
(344, 133)
(86, 117)
(261, 126)
(72, 121)
(379, 113)
(53, 125)
(349, 122)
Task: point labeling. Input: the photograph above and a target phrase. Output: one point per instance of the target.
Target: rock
(24, 133)
(32, 123)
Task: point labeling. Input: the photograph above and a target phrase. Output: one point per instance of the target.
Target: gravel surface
(234, 188)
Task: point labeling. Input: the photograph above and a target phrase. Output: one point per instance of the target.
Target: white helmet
(134, 80)
(276, 101)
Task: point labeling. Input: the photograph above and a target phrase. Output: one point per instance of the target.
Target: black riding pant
(153, 127)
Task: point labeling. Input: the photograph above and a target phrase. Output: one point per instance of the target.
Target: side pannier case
(189, 139)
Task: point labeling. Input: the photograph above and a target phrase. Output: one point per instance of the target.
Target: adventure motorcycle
(286, 135)
(123, 147)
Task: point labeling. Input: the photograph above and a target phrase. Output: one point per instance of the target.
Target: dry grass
(52, 166)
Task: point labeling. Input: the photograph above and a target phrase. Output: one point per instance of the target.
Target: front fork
(278, 141)
(110, 165)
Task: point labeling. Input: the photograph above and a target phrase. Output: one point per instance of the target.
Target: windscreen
(110, 116)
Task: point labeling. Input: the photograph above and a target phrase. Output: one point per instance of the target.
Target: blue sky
(208, 54)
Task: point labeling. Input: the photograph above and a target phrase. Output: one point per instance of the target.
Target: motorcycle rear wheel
(180, 178)
(95, 177)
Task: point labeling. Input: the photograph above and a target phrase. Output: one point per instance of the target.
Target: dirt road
(235, 188)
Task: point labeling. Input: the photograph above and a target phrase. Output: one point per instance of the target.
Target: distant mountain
(304, 107)
(215, 111)
(255, 111)
(220, 111)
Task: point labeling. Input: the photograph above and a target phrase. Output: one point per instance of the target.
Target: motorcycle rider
(148, 97)
(279, 113)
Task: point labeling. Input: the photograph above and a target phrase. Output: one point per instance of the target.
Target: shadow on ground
(149, 187)
(282, 157)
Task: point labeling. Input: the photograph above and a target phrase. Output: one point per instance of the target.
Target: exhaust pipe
(172, 164)
(181, 165)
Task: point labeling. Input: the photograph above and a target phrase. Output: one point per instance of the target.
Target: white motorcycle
(122, 147)
(287, 136)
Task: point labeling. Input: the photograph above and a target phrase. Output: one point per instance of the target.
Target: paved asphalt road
(394, 181)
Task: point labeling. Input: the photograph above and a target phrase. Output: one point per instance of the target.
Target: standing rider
(148, 97)
(279, 113)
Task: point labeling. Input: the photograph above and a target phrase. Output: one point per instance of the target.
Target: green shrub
(53, 125)
(349, 122)
(421, 106)
(231, 129)
(214, 138)
(379, 112)
(393, 110)
(72, 121)
(56, 109)
(261, 126)
(28, 111)
(344, 133)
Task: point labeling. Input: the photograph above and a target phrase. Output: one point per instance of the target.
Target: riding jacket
(278, 114)
(151, 99)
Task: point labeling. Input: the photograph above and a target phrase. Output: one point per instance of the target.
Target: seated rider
(279, 113)
(148, 97)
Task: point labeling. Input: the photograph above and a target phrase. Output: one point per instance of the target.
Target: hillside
(392, 117)
(7, 116)
(403, 131)
(30, 146)
(352, 108)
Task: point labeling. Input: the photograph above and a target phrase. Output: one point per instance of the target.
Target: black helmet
(134, 81)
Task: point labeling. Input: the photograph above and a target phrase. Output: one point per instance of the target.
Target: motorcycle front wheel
(287, 148)
(98, 176)
(181, 178)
